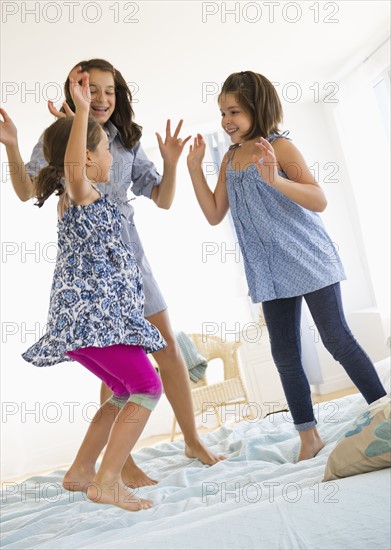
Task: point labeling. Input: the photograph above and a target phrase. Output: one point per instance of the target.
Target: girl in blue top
(286, 250)
(111, 106)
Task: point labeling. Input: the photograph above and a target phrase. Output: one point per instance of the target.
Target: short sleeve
(144, 173)
(37, 160)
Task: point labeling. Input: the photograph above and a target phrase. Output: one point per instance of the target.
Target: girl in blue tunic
(287, 253)
(111, 106)
(96, 312)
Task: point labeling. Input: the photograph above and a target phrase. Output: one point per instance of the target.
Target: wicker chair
(230, 390)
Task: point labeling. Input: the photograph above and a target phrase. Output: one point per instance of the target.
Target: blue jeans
(282, 318)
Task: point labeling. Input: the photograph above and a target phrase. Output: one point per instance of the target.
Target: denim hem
(305, 426)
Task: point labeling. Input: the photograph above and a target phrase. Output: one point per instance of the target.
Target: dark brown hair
(50, 179)
(123, 114)
(259, 98)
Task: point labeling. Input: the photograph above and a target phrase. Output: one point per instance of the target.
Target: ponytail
(48, 181)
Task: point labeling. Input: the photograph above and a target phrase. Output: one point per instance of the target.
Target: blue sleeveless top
(285, 248)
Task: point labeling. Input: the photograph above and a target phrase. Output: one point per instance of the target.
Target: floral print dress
(97, 296)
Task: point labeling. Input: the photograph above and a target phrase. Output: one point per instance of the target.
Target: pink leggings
(126, 370)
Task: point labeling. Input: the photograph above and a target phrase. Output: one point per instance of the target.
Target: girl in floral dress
(96, 313)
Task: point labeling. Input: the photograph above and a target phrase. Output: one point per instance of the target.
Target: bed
(256, 499)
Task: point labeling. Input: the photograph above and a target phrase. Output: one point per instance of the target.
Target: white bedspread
(256, 499)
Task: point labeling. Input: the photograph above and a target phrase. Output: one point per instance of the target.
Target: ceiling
(177, 54)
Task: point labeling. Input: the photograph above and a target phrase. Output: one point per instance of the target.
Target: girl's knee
(340, 345)
(286, 357)
(149, 396)
(151, 387)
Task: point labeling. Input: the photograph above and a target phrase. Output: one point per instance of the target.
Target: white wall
(171, 54)
(348, 139)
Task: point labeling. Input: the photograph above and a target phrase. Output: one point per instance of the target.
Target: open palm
(196, 152)
(8, 131)
(171, 148)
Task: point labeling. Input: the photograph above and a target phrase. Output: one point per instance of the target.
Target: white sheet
(230, 505)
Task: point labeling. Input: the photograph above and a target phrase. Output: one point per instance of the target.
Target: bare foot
(311, 444)
(134, 477)
(198, 450)
(116, 493)
(77, 479)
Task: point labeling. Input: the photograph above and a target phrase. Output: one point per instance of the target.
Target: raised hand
(8, 131)
(196, 152)
(59, 114)
(80, 91)
(171, 149)
(75, 75)
(267, 163)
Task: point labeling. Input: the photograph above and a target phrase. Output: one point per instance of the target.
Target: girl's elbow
(26, 195)
(210, 218)
(165, 205)
(322, 204)
(161, 202)
(319, 201)
(214, 219)
(216, 216)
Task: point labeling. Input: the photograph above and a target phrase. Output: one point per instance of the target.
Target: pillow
(366, 446)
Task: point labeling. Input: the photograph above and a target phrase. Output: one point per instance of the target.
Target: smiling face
(235, 121)
(102, 89)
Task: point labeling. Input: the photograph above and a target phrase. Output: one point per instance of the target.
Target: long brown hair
(50, 179)
(123, 114)
(258, 97)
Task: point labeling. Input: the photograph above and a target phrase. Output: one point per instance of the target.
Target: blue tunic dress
(285, 247)
(97, 296)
